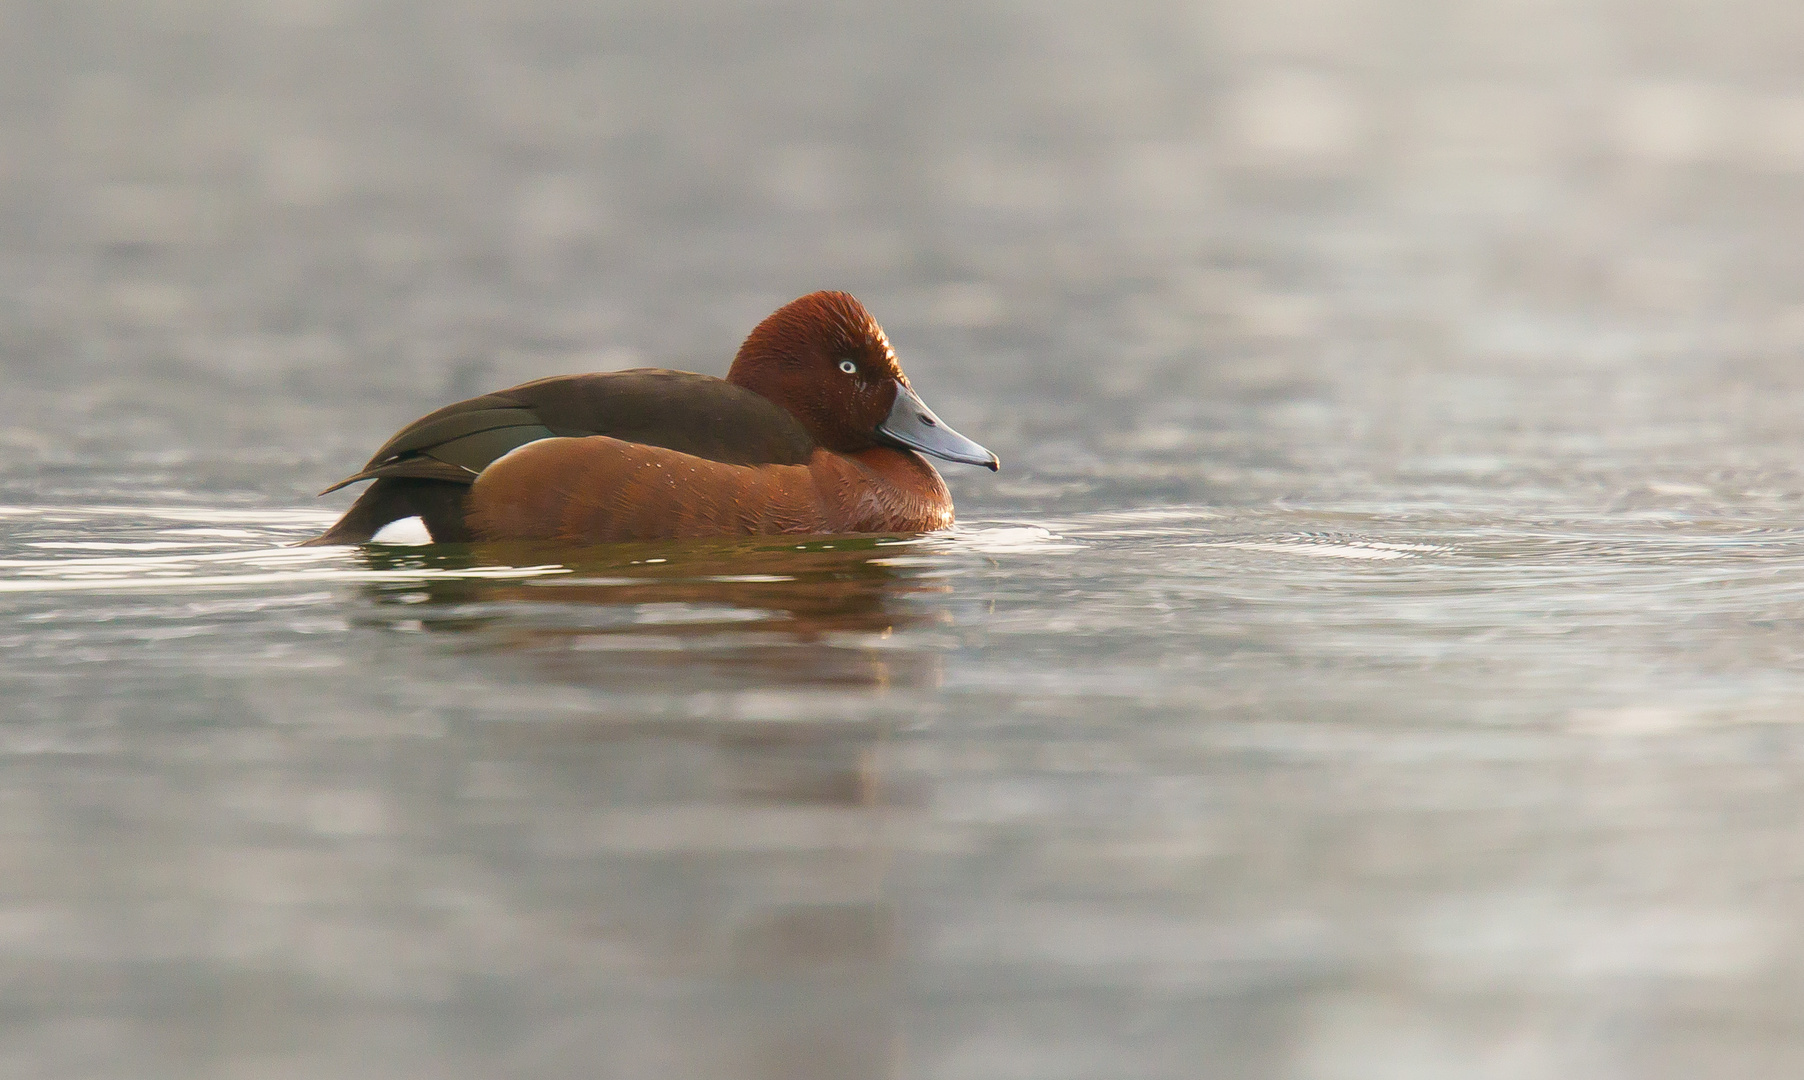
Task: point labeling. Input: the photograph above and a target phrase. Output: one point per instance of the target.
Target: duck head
(825, 359)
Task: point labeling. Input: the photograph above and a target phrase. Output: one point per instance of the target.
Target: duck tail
(439, 505)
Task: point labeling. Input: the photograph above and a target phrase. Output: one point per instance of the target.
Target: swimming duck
(814, 430)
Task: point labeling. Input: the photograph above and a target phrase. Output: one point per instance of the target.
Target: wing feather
(693, 414)
(435, 430)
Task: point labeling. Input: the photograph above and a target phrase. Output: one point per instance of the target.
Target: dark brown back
(676, 410)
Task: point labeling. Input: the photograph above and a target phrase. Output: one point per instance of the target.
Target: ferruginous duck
(814, 430)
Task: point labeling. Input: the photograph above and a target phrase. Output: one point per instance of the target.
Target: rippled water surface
(1380, 656)
(1097, 793)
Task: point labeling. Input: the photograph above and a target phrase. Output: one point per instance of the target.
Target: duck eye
(848, 367)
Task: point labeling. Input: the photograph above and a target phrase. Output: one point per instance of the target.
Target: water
(1378, 657)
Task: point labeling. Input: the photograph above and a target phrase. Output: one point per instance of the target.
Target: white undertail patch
(409, 531)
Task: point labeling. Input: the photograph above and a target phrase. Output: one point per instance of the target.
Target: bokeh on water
(1379, 656)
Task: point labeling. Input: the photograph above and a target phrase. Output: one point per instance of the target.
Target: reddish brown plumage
(691, 460)
(601, 490)
(789, 359)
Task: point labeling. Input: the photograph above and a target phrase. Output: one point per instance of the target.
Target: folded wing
(426, 470)
(677, 410)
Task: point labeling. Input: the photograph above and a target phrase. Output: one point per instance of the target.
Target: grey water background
(1379, 657)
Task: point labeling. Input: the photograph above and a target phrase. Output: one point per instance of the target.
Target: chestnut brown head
(825, 359)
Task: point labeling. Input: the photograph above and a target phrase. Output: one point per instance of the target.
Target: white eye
(848, 367)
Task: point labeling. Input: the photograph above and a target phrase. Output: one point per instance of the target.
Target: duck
(815, 430)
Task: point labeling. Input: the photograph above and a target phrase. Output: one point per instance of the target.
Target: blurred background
(1378, 656)
(298, 207)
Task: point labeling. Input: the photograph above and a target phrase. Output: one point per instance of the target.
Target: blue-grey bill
(912, 424)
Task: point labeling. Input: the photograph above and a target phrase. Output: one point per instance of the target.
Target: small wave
(1327, 549)
(136, 578)
(189, 557)
(1011, 540)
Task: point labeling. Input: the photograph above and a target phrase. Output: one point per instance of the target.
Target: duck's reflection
(688, 616)
(721, 820)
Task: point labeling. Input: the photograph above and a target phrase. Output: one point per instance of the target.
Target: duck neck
(905, 487)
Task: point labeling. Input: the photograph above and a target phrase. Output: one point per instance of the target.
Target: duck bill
(912, 424)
